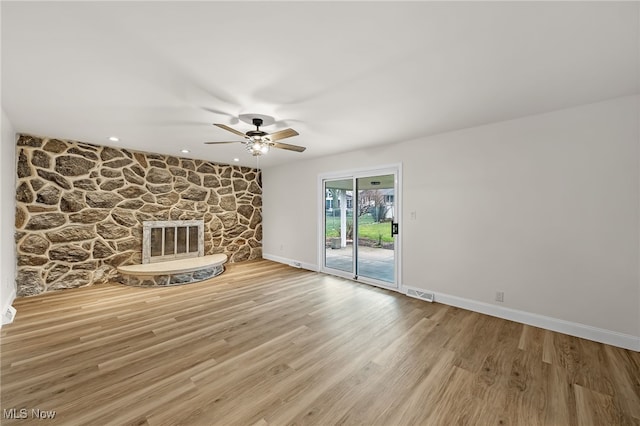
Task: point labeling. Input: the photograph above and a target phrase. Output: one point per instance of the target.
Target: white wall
(7, 212)
(545, 208)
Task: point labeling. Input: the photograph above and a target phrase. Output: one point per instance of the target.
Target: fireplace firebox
(172, 240)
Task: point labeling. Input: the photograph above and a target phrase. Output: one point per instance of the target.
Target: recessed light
(113, 139)
(185, 151)
(236, 159)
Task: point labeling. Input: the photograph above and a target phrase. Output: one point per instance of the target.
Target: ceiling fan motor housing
(257, 134)
(254, 133)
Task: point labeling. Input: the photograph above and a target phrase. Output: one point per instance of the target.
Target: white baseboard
(291, 262)
(614, 338)
(5, 306)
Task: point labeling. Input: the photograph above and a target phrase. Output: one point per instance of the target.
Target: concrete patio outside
(373, 262)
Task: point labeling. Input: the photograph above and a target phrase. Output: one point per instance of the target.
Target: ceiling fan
(258, 142)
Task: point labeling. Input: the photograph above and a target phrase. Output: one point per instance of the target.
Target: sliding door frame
(354, 174)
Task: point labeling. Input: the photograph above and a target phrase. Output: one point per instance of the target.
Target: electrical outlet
(281, 247)
(499, 296)
(413, 215)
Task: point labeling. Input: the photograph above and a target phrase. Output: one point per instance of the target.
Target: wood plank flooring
(267, 344)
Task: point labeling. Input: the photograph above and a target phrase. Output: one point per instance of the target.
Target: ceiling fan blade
(229, 129)
(289, 147)
(215, 143)
(282, 134)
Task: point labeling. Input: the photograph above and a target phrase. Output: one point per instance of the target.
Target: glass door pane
(193, 239)
(181, 238)
(375, 250)
(169, 240)
(157, 242)
(338, 224)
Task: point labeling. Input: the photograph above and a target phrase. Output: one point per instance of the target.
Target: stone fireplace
(81, 209)
(172, 254)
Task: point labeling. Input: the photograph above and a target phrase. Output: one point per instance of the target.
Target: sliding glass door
(338, 224)
(360, 227)
(375, 218)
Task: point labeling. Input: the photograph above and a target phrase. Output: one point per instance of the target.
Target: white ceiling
(345, 75)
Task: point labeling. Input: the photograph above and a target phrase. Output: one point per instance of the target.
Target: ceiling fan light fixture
(258, 148)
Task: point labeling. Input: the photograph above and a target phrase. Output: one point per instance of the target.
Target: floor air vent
(420, 295)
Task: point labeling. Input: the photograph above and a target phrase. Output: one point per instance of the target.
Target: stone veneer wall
(80, 209)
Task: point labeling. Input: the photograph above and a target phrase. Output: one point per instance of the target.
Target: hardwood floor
(267, 344)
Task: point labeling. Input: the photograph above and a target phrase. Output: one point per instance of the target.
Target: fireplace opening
(173, 239)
